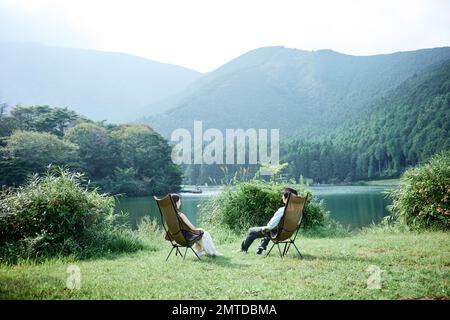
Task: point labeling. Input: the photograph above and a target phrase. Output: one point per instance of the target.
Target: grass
(414, 266)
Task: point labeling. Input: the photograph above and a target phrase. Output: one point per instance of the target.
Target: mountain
(302, 93)
(406, 127)
(99, 85)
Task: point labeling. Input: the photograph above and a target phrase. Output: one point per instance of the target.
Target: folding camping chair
(287, 229)
(177, 232)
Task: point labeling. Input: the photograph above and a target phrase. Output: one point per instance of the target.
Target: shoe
(259, 250)
(241, 250)
(218, 254)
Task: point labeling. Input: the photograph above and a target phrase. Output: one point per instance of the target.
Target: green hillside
(341, 117)
(404, 128)
(301, 92)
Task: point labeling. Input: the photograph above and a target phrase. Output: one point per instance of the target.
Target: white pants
(208, 244)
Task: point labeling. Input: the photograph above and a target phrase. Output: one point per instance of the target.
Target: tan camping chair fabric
(177, 232)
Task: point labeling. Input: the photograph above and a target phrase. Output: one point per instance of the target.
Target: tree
(34, 151)
(94, 149)
(141, 148)
(44, 119)
(7, 124)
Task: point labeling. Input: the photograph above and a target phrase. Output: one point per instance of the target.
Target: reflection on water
(355, 206)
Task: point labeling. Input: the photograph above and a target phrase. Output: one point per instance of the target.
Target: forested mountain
(302, 93)
(341, 117)
(406, 127)
(99, 85)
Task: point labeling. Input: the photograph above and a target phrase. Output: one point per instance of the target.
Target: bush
(423, 199)
(55, 214)
(253, 203)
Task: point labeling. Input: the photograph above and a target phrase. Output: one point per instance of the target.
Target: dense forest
(406, 127)
(341, 119)
(128, 159)
(403, 128)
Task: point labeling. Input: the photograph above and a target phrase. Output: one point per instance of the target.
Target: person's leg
(264, 242)
(252, 234)
(198, 247)
(208, 245)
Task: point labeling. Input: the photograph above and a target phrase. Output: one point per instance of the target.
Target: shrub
(423, 199)
(55, 214)
(253, 203)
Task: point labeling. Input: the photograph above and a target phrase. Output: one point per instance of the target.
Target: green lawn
(414, 266)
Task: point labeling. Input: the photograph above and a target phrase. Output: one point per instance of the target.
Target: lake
(353, 206)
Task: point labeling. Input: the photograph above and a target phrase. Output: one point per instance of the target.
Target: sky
(204, 34)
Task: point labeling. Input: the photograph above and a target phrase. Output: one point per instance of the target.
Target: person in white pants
(206, 243)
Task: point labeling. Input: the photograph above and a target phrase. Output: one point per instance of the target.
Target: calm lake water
(354, 206)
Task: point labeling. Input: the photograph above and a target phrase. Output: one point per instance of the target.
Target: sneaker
(259, 250)
(240, 249)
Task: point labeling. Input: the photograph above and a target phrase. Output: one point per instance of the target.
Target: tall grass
(151, 233)
(55, 214)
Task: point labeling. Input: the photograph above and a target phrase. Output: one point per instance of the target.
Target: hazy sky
(204, 34)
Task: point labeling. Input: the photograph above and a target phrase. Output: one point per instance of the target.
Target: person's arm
(188, 224)
(273, 223)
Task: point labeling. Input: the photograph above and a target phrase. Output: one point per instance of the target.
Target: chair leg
(178, 251)
(279, 250)
(288, 247)
(284, 250)
(195, 253)
(270, 249)
(297, 249)
(173, 247)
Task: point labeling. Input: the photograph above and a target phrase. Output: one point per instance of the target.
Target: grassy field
(413, 266)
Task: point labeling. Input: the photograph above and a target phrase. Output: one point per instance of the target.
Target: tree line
(130, 159)
(404, 128)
